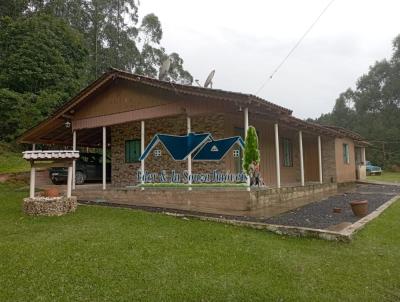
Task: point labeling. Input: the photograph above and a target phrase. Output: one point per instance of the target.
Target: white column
(320, 159)
(301, 158)
(32, 182)
(74, 161)
(142, 129)
(277, 160)
(69, 181)
(363, 158)
(246, 128)
(33, 176)
(189, 129)
(104, 157)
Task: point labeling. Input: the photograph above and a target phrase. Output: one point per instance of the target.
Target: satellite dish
(164, 68)
(209, 82)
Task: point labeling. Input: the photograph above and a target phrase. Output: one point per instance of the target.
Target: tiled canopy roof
(50, 155)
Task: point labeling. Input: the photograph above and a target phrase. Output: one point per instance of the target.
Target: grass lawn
(110, 254)
(386, 176)
(11, 161)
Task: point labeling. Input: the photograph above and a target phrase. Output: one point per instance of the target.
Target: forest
(50, 49)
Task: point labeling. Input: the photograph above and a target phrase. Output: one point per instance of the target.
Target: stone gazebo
(50, 206)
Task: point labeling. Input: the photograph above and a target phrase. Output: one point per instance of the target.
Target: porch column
(246, 121)
(104, 157)
(301, 158)
(142, 129)
(74, 161)
(33, 176)
(320, 159)
(277, 160)
(189, 129)
(69, 181)
(363, 158)
(246, 127)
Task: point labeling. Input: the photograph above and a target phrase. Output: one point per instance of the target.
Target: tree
(114, 36)
(251, 152)
(373, 109)
(42, 64)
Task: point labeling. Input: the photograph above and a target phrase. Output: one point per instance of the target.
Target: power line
(295, 46)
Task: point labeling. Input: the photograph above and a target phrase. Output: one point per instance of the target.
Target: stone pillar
(277, 160)
(104, 157)
(301, 158)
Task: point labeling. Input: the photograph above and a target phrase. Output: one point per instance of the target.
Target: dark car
(89, 167)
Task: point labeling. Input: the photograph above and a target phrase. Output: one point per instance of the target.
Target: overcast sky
(244, 41)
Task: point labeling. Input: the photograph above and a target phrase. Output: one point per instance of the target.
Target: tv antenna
(208, 81)
(164, 68)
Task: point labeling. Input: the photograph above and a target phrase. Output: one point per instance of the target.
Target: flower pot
(52, 192)
(359, 207)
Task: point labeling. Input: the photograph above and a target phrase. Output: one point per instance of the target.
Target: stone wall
(328, 159)
(49, 206)
(227, 201)
(125, 174)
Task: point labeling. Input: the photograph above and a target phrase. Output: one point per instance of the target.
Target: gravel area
(320, 214)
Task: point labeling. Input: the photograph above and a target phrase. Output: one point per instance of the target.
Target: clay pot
(51, 192)
(337, 210)
(359, 207)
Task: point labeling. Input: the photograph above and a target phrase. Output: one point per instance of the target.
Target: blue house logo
(201, 146)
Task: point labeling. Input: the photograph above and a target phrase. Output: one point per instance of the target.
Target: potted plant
(359, 207)
(51, 192)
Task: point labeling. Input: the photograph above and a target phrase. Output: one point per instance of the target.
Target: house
(122, 113)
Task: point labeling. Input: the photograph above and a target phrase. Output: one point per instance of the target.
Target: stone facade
(49, 206)
(125, 174)
(328, 159)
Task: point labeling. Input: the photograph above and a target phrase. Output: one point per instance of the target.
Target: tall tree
(42, 63)
(114, 36)
(373, 109)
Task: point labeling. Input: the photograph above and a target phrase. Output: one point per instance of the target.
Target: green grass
(11, 161)
(386, 176)
(110, 254)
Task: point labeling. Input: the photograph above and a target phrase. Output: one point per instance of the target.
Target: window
(287, 152)
(157, 152)
(132, 151)
(346, 154)
(236, 153)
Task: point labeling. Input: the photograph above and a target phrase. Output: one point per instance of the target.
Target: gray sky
(245, 41)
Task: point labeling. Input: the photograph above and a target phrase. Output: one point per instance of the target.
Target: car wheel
(80, 178)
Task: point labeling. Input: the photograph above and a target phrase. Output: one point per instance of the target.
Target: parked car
(373, 170)
(89, 167)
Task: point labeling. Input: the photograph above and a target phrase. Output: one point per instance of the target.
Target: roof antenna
(164, 68)
(209, 79)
